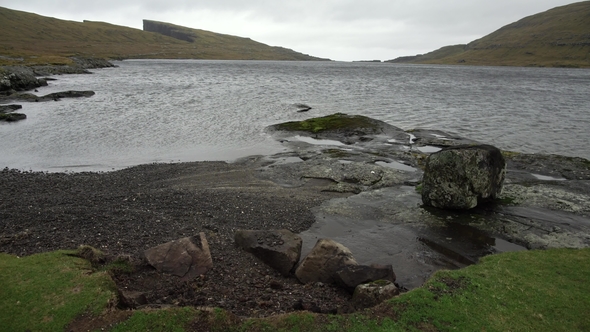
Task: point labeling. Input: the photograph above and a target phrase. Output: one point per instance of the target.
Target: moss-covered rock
(338, 122)
(460, 177)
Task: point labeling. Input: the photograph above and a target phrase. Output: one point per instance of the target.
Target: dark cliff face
(167, 30)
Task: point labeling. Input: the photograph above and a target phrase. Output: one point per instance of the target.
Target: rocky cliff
(167, 30)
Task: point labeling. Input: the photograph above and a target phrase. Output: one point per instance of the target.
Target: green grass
(47, 291)
(520, 291)
(334, 122)
(524, 291)
(173, 320)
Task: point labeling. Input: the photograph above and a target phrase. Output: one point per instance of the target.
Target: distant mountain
(559, 37)
(27, 38)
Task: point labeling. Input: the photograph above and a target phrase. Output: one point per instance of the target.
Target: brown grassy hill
(559, 37)
(27, 38)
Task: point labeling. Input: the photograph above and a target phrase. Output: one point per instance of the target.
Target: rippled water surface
(171, 110)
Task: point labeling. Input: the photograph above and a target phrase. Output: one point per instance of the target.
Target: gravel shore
(125, 212)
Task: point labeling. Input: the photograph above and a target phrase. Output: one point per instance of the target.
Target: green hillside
(559, 37)
(28, 38)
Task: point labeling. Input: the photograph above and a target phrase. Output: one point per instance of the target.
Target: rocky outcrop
(49, 97)
(350, 276)
(186, 258)
(19, 78)
(279, 249)
(460, 177)
(371, 294)
(22, 78)
(12, 117)
(321, 264)
(169, 30)
(348, 129)
(9, 108)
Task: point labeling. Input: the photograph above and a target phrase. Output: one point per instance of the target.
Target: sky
(344, 30)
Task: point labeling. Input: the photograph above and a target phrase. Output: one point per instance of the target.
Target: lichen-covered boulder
(462, 176)
(279, 249)
(322, 262)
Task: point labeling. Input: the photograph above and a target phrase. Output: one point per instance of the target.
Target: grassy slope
(520, 291)
(559, 37)
(211, 44)
(40, 39)
(45, 292)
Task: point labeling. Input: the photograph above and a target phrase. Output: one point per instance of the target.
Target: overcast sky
(336, 29)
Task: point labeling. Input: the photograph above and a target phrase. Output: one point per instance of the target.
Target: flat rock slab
(186, 258)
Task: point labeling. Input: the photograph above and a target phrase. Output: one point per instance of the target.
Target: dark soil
(128, 211)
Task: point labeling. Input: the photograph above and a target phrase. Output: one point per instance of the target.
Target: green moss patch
(335, 122)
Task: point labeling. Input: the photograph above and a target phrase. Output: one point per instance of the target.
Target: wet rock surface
(323, 188)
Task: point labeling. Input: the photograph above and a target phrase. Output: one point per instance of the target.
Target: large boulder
(373, 293)
(350, 276)
(187, 258)
(279, 249)
(462, 176)
(322, 262)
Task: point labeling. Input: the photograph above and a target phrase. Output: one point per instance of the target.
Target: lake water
(148, 111)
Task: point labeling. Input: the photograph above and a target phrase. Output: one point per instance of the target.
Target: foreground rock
(186, 258)
(131, 299)
(350, 276)
(462, 176)
(371, 294)
(324, 260)
(279, 249)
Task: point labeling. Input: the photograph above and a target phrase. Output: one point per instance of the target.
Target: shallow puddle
(318, 141)
(428, 149)
(389, 227)
(547, 178)
(396, 165)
